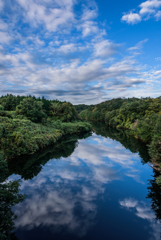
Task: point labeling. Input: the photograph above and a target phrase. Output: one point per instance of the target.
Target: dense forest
(28, 124)
(142, 117)
(81, 107)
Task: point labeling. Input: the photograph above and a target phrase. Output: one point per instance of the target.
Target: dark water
(92, 186)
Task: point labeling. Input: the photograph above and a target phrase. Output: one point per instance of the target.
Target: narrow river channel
(92, 186)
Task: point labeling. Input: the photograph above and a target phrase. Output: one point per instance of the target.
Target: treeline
(142, 117)
(28, 124)
(81, 107)
(37, 109)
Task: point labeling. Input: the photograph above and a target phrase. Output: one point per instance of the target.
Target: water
(98, 187)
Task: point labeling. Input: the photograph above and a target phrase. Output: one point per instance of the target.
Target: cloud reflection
(143, 211)
(63, 195)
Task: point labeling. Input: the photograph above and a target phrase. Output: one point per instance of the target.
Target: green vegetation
(28, 166)
(81, 107)
(154, 194)
(9, 197)
(142, 117)
(28, 124)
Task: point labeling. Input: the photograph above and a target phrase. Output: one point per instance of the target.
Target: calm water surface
(94, 186)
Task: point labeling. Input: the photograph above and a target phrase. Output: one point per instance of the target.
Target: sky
(81, 51)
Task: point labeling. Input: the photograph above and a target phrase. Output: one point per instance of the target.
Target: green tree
(9, 197)
(31, 109)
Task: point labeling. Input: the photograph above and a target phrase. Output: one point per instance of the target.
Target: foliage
(9, 102)
(154, 194)
(31, 109)
(142, 117)
(28, 166)
(63, 111)
(37, 109)
(23, 136)
(35, 124)
(80, 107)
(9, 197)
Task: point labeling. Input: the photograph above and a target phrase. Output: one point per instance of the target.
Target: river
(97, 185)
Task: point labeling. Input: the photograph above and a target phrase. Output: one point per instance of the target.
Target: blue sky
(80, 51)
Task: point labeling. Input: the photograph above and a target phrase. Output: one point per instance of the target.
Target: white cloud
(1, 4)
(68, 81)
(158, 15)
(5, 38)
(138, 46)
(148, 9)
(88, 27)
(132, 18)
(149, 6)
(66, 58)
(71, 47)
(3, 26)
(89, 14)
(105, 48)
(52, 17)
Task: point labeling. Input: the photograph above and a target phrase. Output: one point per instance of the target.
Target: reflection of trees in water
(134, 145)
(9, 197)
(125, 138)
(155, 196)
(28, 166)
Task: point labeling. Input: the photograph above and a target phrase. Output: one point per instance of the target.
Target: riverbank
(25, 137)
(28, 124)
(142, 117)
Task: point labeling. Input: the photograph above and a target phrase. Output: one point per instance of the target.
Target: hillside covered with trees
(28, 124)
(142, 117)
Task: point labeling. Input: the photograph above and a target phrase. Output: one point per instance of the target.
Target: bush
(31, 109)
(63, 111)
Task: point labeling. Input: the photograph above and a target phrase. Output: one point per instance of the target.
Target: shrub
(31, 109)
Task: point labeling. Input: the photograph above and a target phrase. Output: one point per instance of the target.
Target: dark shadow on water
(154, 194)
(28, 166)
(135, 146)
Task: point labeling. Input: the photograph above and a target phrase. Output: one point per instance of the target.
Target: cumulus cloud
(131, 18)
(52, 16)
(105, 48)
(62, 54)
(147, 10)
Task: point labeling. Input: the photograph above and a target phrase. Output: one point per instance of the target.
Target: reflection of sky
(143, 211)
(74, 195)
